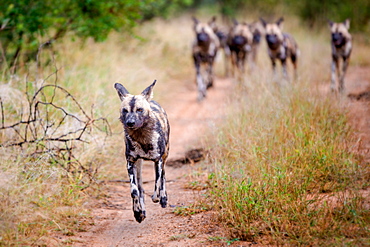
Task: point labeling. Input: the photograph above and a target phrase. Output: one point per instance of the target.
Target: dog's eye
(124, 110)
(139, 110)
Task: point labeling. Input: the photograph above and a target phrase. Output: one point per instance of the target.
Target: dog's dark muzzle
(239, 40)
(272, 41)
(256, 38)
(132, 122)
(338, 39)
(203, 38)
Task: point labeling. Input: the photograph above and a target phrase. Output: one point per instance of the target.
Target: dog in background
(204, 48)
(280, 46)
(222, 35)
(240, 42)
(257, 31)
(341, 47)
(147, 138)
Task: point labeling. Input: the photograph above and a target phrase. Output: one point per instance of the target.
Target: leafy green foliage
(311, 12)
(26, 24)
(316, 12)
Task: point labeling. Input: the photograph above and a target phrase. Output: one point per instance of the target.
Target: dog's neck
(204, 46)
(144, 133)
(275, 46)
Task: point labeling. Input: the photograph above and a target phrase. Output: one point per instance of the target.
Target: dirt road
(114, 224)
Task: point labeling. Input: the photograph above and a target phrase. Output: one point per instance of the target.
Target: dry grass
(283, 169)
(39, 198)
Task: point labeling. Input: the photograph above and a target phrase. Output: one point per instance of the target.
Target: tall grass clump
(284, 172)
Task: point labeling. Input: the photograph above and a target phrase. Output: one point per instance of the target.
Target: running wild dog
(240, 41)
(205, 46)
(257, 30)
(147, 132)
(222, 35)
(280, 46)
(341, 47)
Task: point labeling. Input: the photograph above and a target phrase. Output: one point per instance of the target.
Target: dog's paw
(163, 201)
(155, 198)
(139, 215)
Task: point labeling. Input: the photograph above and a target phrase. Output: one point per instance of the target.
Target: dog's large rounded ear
(148, 92)
(264, 23)
(280, 22)
(121, 90)
(330, 23)
(195, 20)
(346, 23)
(212, 23)
(235, 22)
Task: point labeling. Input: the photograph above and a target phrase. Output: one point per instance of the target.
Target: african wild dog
(205, 46)
(257, 31)
(222, 35)
(280, 46)
(341, 47)
(147, 132)
(240, 41)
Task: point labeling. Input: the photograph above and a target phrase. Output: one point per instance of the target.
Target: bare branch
(50, 127)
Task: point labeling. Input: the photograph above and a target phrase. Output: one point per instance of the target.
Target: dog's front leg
(160, 184)
(334, 68)
(199, 79)
(294, 61)
(227, 57)
(344, 70)
(234, 63)
(273, 62)
(210, 72)
(285, 72)
(137, 191)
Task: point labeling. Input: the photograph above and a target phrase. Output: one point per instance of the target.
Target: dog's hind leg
(160, 184)
(137, 191)
(344, 70)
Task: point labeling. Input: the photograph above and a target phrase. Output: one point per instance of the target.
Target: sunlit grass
(296, 148)
(284, 170)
